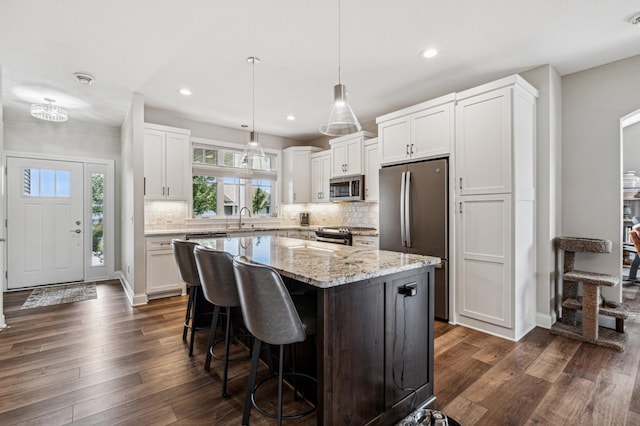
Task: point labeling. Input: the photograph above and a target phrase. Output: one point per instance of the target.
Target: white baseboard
(134, 299)
(544, 320)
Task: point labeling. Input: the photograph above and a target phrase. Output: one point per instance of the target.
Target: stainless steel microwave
(346, 188)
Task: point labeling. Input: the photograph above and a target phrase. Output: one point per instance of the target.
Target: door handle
(77, 231)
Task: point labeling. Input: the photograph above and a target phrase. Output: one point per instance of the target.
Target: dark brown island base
(373, 354)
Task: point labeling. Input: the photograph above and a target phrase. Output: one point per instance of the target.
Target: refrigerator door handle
(407, 209)
(402, 203)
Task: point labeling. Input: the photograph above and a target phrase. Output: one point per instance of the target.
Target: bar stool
(219, 287)
(270, 315)
(188, 272)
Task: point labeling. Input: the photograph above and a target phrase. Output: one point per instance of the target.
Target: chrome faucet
(240, 215)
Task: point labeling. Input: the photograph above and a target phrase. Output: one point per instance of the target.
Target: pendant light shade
(253, 157)
(342, 120)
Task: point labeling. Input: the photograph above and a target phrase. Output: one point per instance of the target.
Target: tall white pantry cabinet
(495, 205)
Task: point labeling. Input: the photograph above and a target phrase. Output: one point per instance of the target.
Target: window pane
(261, 196)
(234, 190)
(97, 222)
(31, 184)
(198, 155)
(205, 156)
(63, 183)
(205, 191)
(47, 183)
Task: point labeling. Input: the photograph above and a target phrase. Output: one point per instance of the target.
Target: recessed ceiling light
(83, 78)
(429, 53)
(185, 92)
(635, 20)
(291, 117)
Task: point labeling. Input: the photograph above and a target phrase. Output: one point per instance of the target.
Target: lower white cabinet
(484, 258)
(365, 241)
(162, 272)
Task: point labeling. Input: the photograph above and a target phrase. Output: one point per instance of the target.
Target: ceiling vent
(83, 78)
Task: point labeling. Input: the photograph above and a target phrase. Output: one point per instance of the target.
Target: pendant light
(49, 112)
(253, 157)
(342, 120)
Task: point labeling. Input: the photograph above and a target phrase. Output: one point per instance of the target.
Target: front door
(45, 222)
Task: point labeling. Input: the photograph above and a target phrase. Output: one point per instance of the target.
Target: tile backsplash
(331, 214)
(161, 215)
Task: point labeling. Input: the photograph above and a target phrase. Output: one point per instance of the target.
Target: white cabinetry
(495, 241)
(296, 176)
(346, 154)
(166, 162)
(320, 173)
(422, 131)
(371, 168)
(162, 273)
(365, 241)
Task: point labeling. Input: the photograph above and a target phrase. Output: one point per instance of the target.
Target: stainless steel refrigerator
(414, 217)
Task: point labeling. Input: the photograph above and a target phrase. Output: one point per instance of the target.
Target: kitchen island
(374, 352)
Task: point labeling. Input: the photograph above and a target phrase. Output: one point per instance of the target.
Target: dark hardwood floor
(104, 362)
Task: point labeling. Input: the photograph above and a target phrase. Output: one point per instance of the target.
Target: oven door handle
(338, 240)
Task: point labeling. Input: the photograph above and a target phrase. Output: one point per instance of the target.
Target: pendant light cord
(253, 101)
(339, 38)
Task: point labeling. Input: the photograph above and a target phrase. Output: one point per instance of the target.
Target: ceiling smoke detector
(83, 78)
(635, 20)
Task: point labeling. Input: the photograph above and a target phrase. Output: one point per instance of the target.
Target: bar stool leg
(280, 377)
(212, 337)
(187, 316)
(193, 319)
(255, 357)
(227, 343)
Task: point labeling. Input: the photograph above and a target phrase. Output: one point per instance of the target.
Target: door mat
(47, 296)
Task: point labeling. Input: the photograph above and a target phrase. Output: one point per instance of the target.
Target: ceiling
(155, 47)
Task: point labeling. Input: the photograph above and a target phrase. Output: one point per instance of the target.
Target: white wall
(593, 101)
(132, 207)
(547, 80)
(3, 202)
(214, 132)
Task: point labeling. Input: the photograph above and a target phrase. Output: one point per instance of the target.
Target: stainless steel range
(339, 234)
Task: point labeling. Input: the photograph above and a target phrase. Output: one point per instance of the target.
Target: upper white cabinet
(320, 173)
(347, 154)
(371, 166)
(296, 176)
(422, 131)
(166, 162)
(484, 142)
(495, 210)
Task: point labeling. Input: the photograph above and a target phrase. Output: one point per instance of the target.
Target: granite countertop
(322, 265)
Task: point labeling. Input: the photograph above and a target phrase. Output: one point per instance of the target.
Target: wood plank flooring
(104, 362)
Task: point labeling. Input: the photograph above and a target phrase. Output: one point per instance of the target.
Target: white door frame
(107, 271)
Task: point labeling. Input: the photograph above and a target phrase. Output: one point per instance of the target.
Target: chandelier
(49, 112)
